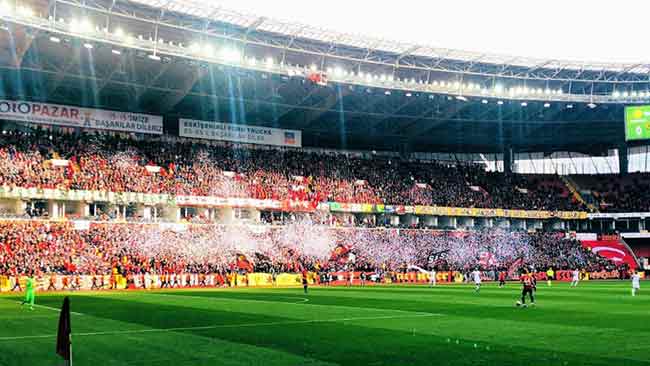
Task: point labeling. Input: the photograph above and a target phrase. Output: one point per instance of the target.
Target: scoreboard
(637, 123)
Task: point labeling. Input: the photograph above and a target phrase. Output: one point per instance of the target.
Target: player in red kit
(502, 278)
(528, 284)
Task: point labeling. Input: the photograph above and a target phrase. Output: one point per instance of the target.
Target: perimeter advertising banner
(637, 122)
(239, 133)
(70, 116)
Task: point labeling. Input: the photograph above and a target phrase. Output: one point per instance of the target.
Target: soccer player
(636, 286)
(476, 275)
(29, 292)
(550, 273)
(432, 277)
(576, 278)
(362, 276)
(305, 284)
(16, 283)
(528, 286)
(502, 279)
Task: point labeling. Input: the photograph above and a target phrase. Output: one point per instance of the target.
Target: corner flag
(63, 343)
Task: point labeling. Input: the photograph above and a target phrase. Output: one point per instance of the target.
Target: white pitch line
(291, 303)
(207, 327)
(302, 299)
(54, 309)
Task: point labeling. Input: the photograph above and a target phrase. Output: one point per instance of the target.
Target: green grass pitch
(594, 324)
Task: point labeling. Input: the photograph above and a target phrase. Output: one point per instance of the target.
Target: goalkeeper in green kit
(29, 292)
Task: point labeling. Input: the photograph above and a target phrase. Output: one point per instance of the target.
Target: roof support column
(622, 158)
(507, 159)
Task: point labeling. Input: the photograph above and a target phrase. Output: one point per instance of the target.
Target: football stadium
(192, 183)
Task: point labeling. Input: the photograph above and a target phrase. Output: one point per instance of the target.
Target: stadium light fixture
(119, 32)
(313, 67)
(387, 92)
(569, 106)
(408, 94)
(85, 26)
(208, 50)
(54, 39)
(269, 61)
(616, 94)
(624, 94)
(231, 55)
(498, 88)
(484, 101)
(129, 40)
(633, 94)
(500, 102)
(547, 91)
(88, 46)
(461, 98)
(524, 104)
(546, 105)
(390, 78)
(154, 57)
(591, 105)
(252, 61)
(116, 52)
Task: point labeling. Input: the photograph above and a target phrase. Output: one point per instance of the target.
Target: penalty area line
(219, 326)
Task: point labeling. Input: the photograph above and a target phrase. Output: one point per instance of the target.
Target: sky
(578, 30)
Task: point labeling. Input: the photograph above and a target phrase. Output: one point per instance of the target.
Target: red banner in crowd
(612, 249)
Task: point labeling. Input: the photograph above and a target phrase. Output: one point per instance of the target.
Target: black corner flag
(63, 343)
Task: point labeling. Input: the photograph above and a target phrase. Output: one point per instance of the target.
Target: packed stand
(48, 247)
(109, 163)
(615, 193)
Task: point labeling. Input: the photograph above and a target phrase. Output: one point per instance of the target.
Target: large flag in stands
(244, 264)
(340, 254)
(63, 342)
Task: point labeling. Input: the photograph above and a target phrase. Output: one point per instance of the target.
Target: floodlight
(119, 32)
(116, 52)
(88, 46)
(55, 39)
(546, 105)
(524, 104)
(484, 101)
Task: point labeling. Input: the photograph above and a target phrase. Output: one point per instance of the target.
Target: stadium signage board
(245, 134)
(637, 122)
(70, 116)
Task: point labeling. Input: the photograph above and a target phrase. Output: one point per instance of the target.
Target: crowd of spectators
(109, 163)
(615, 193)
(50, 247)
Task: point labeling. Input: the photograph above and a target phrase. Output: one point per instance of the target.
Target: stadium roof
(68, 61)
(216, 11)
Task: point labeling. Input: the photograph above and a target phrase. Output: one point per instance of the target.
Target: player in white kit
(576, 278)
(476, 276)
(432, 277)
(636, 286)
